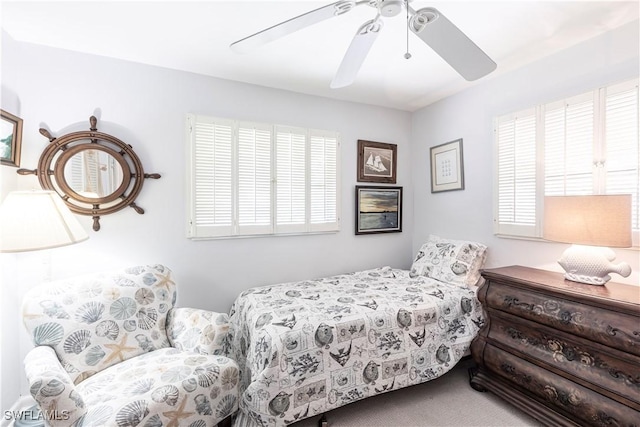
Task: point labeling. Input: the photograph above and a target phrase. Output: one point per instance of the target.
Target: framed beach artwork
(447, 169)
(378, 209)
(376, 162)
(10, 139)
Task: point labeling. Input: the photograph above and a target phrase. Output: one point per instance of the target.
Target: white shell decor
(132, 414)
(35, 387)
(48, 334)
(123, 281)
(168, 394)
(89, 312)
(207, 375)
(177, 373)
(77, 341)
(123, 308)
(230, 377)
(149, 279)
(53, 309)
(94, 355)
(226, 406)
(154, 421)
(140, 386)
(111, 362)
(147, 318)
(52, 388)
(108, 329)
(203, 405)
(144, 296)
(129, 325)
(189, 385)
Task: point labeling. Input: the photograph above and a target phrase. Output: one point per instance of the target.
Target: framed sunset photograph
(378, 209)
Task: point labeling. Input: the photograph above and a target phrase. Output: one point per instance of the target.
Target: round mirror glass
(93, 173)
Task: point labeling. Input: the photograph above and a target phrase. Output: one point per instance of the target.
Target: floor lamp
(30, 221)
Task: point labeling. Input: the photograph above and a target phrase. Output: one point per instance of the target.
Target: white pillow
(452, 261)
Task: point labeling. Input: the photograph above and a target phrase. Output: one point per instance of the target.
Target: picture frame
(447, 167)
(377, 162)
(10, 139)
(378, 209)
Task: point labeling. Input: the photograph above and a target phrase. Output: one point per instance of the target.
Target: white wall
(145, 106)
(468, 214)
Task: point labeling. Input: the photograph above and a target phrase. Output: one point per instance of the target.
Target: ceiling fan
(431, 26)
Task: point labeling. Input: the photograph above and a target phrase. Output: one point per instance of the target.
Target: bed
(307, 347)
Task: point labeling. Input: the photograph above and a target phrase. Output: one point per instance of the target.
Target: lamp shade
(32, 220)
(603, 220)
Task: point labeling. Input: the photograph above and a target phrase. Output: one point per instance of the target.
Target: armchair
(111, 350)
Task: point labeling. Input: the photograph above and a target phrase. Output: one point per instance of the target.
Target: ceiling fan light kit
(428, 24)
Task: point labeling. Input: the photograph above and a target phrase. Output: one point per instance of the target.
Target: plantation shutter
(291, 179)
(323, 181)
(622, 146)
(516, 176)
(569, 146)
(254, 178)
(587, 144)
(211, 160)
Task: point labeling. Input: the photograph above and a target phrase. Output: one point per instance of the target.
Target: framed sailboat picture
(376, 162)
(378, 209)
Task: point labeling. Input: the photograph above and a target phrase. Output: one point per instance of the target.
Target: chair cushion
(162, 388)
(98, 320)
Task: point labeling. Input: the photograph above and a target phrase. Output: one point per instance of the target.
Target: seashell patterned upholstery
(111, 350)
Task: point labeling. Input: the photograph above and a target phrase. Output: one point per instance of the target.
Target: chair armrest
(51, 386)
(200, 331)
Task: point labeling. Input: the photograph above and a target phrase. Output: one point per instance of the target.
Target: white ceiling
(195, 37)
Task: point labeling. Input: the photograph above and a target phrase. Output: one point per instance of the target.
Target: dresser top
(610, 292)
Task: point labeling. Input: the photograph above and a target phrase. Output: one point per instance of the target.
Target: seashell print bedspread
(307, 347)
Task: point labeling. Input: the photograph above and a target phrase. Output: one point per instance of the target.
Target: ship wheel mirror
(95, 173)
(377, 162)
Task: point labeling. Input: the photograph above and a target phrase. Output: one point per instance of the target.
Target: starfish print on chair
(118, 349)
(176, 415)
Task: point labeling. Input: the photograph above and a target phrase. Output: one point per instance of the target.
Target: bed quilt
(307, 347)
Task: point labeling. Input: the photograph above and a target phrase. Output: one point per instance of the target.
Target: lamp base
(591, 264)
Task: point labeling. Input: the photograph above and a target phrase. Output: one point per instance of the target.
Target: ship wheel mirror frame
(377, 162)
(95, 173)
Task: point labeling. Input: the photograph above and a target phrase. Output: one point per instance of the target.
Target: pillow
(452, 261)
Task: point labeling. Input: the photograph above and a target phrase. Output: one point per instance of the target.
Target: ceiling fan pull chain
(406, 6)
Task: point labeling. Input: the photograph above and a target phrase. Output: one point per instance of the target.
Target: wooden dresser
(563, 352)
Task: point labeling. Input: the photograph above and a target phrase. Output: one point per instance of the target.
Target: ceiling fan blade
(294, 24)
(356, 53)
(451, 44)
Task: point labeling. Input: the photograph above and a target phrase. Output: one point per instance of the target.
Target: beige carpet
(446, 401)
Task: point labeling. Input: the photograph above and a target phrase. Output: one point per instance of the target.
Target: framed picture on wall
(376, 162)
(10, 139)
(378, 209)
(447, 169)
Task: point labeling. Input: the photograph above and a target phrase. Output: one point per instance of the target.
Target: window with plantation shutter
(260, 179)
(587, 144)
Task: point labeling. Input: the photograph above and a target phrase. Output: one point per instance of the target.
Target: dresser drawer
(617, 330)
(620, 376)
(559, 393)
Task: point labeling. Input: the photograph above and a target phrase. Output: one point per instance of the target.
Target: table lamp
(592, 224)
